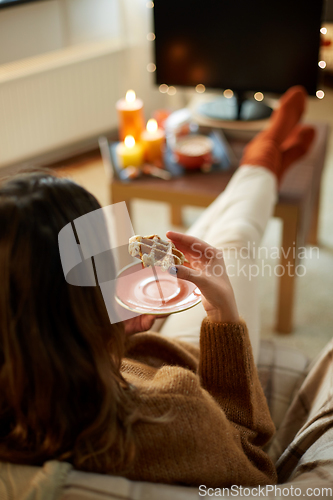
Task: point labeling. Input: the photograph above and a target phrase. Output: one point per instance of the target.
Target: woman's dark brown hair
(61, 392)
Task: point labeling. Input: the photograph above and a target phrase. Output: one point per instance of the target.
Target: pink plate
(137, 290)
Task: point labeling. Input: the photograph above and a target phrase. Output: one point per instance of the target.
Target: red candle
(131, 119)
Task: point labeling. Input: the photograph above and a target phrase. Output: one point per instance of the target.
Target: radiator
(54, 100)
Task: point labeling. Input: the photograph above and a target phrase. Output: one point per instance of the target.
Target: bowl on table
(193, 151)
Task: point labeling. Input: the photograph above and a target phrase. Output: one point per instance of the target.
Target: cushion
(281, 372)
(308, 418)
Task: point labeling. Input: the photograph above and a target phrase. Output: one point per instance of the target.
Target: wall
(37, 38)
(37, 28)
(87, 20)
(29, 30)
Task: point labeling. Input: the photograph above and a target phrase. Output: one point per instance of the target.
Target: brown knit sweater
(219, 419)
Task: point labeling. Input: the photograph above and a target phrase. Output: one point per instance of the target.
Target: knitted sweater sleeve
(227, 371)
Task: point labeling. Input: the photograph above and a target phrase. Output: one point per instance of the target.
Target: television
(242, 45)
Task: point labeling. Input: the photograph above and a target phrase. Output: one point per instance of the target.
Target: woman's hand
(209, 273)
(139, 324)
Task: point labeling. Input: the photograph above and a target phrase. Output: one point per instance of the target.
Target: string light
(151, 37)
(228, 93)
(163, 88)
(151, 67)
(200, 88)
(172, 90)
(259, 96)
(322, 64)
(323, 30)
(320, 94)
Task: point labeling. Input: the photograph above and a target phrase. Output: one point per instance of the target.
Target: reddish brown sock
(296, 145)
(287, 115)
(284, 141)
(263, 152)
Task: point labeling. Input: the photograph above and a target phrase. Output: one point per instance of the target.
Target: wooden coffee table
(297, 206)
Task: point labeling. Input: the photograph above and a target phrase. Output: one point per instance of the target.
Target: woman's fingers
(208, 272)
(200, 277)
(217, 295)
(186, 273)
(193, 248)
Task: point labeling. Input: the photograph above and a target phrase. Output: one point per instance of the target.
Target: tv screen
(243, 45)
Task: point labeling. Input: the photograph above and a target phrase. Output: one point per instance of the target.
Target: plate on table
(137, 290)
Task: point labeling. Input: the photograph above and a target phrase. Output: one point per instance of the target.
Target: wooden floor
(88, 171)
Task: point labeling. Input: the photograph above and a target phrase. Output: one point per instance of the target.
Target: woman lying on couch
(75, 388)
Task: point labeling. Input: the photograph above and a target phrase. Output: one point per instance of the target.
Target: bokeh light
(172, 90)
(163, 88)
(151, 67)
(259, 96)
(200, 88)
(228, 93)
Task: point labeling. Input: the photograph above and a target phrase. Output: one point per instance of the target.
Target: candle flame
(152, 125)
(129, 141)
(130, 96)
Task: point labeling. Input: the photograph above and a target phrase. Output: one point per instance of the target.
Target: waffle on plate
(153, 251)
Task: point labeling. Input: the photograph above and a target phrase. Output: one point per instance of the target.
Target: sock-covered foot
(266, 153)
(283, 141)
(287, 115)
(295, 146)
(263, 152)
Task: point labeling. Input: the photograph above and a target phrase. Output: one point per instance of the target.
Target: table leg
(176, 215)
(313, 232)
(286, 282)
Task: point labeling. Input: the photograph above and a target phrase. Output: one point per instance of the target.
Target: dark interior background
(239, 44)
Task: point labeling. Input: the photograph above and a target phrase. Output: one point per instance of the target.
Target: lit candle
(130, 113)
(129, 152)
(153, 139)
